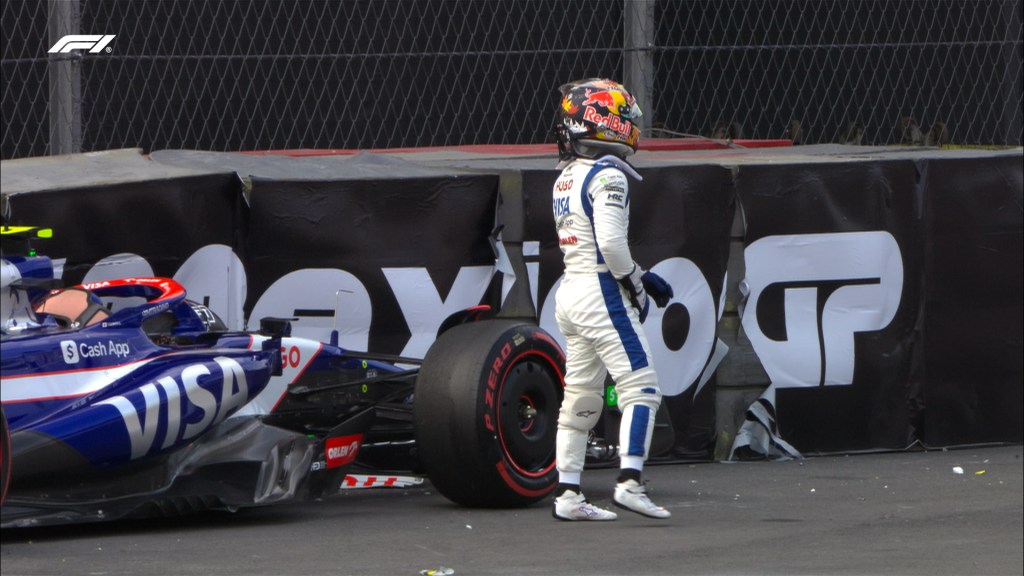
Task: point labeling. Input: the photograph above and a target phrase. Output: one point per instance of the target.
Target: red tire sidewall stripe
(505, 462)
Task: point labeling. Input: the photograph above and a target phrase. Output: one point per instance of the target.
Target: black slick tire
(486, 413)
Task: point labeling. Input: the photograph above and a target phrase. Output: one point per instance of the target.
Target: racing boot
(572, 506)
(632, 495)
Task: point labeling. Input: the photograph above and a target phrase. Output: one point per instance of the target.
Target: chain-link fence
(276, 74)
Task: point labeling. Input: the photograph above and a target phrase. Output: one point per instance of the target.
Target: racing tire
(486, 413)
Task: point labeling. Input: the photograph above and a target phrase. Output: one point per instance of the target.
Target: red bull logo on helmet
(612, 122)
(600, 109)
(611, 100)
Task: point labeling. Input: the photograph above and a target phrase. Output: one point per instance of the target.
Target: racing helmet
(596, 117)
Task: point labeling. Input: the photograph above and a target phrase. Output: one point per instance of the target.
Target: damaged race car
(125, 399)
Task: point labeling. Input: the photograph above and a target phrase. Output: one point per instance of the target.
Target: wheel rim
(529, 399)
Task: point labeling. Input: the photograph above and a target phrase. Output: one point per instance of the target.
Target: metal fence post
(65, 72)
(1011, 117)
(638, 60)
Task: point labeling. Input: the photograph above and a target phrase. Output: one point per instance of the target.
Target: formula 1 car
(125, 399)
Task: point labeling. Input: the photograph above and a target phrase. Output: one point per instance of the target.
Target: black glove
(656, 286)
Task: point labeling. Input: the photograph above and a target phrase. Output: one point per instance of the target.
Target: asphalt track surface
(957, 512)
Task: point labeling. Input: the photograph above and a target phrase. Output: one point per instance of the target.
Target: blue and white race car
(123, 399)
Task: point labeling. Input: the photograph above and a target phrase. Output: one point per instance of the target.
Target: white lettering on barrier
(827, 287)
(680, 367)
(422, 305)
(858, 276)
(348, 301)
(325, 299)
(334, 299)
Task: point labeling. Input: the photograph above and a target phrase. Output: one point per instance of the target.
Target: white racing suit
(594, 312)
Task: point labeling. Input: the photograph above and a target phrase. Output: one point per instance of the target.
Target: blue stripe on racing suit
(620, 319)
(588, 208)
(638, 430)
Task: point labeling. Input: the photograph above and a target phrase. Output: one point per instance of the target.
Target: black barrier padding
(826, 198)
(684, 211)
(973, 301)
(362, 226)
(163, 221)
(540, 227)
(694, 423)
(873, 412)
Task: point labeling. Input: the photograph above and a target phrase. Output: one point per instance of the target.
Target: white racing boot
(631, 495)
(572, 506)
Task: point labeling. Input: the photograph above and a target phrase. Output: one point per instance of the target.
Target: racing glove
(656, 286)
(634, 285)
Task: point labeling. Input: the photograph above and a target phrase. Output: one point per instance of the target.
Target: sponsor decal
(156, 309)
(205, 315)
(810, 294)
(180, 408)
(353, 481)
(96, 285)
(611, 396)
(420, 301)
(492, 381)
(604, 99)
(73, 351)
(612, 121)
(343, 450)
(291, 356)
(69, 350)
(560, 206)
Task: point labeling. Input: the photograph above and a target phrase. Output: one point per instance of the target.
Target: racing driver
(603, 298)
